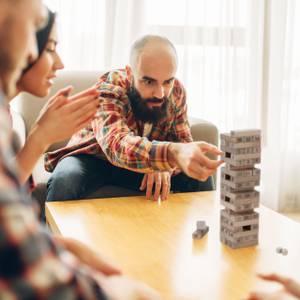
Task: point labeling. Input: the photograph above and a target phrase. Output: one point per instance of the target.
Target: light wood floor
(293, 216)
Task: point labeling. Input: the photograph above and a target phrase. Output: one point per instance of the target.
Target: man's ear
(129, 73)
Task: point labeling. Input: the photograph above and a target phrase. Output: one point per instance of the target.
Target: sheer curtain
(281, 159)
(220, 52)
(96, 34)
(219, 43)
(239, 61)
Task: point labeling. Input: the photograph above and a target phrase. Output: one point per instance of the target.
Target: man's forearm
(173, 150)
(135, 153)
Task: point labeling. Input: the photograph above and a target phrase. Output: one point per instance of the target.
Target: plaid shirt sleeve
(31, 266)
(120, 145)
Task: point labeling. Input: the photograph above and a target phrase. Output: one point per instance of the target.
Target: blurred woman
(62, 115)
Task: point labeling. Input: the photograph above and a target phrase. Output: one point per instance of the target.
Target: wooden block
(238, 196)
(239, 168)
(226, 196)
(241, 207)
(240, 137)
(241, 173)
(255, 144)
(234, 229)
(198, 234)
(237, 225)
(241, 186)
(237, 157)
(241, 149)
(201, 225)
(228, 189)
(235, 245)
(239, 235)
(239, 219)
(242, 177)
(243, 163)
(245, 132)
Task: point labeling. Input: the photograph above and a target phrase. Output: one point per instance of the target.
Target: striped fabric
(117, 136)
(31, 265)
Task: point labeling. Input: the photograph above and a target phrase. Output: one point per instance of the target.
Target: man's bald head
(152, 45)
(153, 64)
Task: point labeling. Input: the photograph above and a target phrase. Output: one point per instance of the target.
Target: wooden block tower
(239, 177)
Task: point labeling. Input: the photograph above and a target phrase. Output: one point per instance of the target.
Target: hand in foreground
(162, 183)
(191, 159)
(291, 289)
(87, 256)
(115, 285)
(124, 288)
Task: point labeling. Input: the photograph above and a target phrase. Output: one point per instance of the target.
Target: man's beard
(141, 109)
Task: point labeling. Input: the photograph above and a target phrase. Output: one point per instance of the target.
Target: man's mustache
(155, 100)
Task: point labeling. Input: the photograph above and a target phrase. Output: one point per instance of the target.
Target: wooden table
(153, 243)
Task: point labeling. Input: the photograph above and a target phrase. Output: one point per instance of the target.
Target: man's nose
(159, 92)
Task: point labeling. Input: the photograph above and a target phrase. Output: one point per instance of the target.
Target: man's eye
(148, 82)
(169, 82)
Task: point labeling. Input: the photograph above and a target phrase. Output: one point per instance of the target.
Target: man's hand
(87, 256)
(291, 289)
(191, 159)
(162, 182)
(123, 288)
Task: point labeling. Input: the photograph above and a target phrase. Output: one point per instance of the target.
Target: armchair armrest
(204, 131)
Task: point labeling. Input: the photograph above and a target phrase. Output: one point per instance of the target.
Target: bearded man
(140, 139)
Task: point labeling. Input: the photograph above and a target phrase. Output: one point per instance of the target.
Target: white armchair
(27, 107)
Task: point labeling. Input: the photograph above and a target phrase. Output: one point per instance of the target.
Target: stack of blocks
(239, 177)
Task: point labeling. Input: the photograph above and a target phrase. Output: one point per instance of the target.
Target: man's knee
(66, 182)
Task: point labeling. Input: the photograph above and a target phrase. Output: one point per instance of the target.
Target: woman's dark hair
(42, 37)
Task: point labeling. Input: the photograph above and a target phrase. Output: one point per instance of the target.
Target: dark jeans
(75, 177)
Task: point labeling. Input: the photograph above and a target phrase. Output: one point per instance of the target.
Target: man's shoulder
(113, 83)
(178, 86)
(178, 92)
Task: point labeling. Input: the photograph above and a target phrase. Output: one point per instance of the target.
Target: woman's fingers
(60, 95)
(89, 92)
(80, 103)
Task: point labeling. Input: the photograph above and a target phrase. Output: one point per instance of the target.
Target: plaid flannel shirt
(31, 265)
(117, 136)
